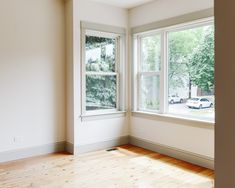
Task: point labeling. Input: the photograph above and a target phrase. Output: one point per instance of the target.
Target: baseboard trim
(7, 156)
(194, 158)
(174, 152)
(80, 149)
(69, 147)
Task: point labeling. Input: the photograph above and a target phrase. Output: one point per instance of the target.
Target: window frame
(164, 110)
(106, 32)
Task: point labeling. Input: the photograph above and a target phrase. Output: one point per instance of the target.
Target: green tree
(191, 57)
(202, 62)
(181, 46)
(100, 89)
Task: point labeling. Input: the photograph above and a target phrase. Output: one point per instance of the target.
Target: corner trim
(187, 156)
(80, 149)
(32, 151)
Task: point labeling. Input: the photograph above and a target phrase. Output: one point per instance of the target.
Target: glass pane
(151, 53)
(100, 92)
(191, 72)
(100, 54)
(149, 92)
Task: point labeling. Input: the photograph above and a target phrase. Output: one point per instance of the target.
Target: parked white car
(199, 102)
(175, 99)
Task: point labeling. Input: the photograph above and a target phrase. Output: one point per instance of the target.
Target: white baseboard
(31, 152)
(174, 152)
(7, 156)
(79, 149)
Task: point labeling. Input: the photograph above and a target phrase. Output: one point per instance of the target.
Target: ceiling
(124, 3)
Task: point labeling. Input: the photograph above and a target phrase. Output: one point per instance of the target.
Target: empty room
(117, 93)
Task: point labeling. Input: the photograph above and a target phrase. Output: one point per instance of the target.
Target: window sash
(117, 94)
(141, 73)
(117, 87)
(139, 81)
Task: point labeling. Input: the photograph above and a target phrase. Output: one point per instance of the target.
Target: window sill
(175, 119)
(107, 115)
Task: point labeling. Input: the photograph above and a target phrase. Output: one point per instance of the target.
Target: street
(181, 109)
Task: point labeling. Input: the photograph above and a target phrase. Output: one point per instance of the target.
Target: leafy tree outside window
(101, 75)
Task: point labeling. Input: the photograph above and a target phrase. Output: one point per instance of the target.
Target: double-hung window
(101, 68)
(149, 72)
(174, 67)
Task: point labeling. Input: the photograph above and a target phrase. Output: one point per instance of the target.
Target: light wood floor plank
(127, 167)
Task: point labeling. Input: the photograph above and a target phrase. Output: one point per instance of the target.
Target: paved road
(182, 109)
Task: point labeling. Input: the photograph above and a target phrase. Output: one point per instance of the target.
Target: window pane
(151, 53)
(100, 92)
(191, 72)
(149, 92)
(100, 54)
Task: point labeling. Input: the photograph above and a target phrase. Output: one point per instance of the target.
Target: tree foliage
(100, 89)
(181, 45)
(191, 58)
(101, 92)
(202, 62)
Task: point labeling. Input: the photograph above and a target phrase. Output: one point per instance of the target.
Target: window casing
(162, 73)
(102, 71)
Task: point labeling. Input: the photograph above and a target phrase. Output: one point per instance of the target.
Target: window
(191, 71)
(101, 70)
(175, 70)
(149, 73)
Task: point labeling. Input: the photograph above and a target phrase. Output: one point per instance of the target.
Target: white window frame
(117, 33)
(164, 64)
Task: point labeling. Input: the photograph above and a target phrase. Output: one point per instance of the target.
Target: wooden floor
(127, 167)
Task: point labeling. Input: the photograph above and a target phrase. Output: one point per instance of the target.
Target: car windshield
(194, 99)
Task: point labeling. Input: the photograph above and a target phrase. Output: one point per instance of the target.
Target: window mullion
(164, 77)
(166, 85)
(139, 58)
(117, 71)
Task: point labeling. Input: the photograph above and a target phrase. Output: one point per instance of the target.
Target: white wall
(89, 132)
(163, 9)
(69, 28)
(180, 136)
(188, 138)
(32, 73)
(102, 13)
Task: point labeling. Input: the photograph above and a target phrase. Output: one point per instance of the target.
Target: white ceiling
(124, 3)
